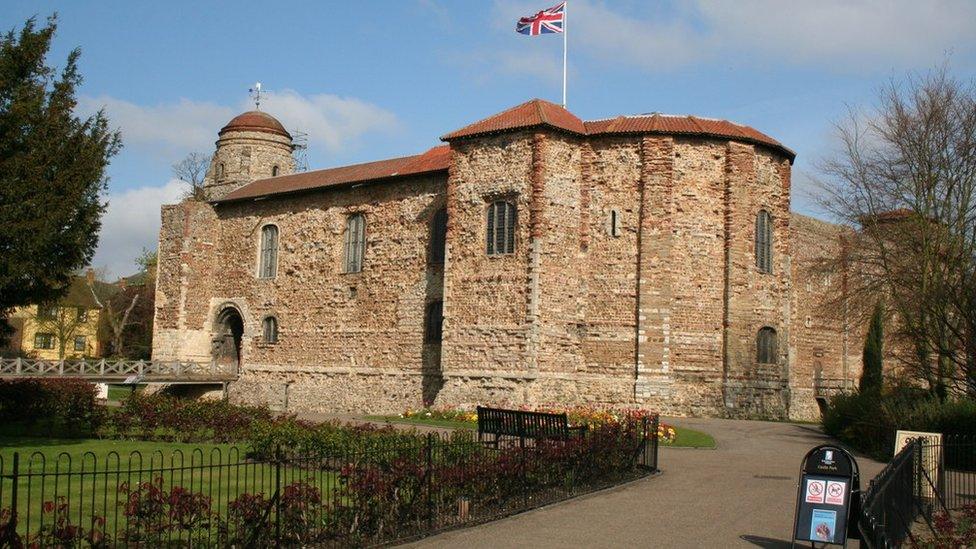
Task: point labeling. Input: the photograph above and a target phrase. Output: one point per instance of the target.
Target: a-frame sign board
(828, 498)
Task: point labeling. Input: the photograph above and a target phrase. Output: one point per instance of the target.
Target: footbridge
(120, 371)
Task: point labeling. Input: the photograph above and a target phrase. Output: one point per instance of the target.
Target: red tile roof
(667, 124)
(536, 112)
(434, 160)
(255, 121)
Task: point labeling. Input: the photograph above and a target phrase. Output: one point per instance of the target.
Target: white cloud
(840, 35)
(171, 130)
(131, 223)
(331, 122)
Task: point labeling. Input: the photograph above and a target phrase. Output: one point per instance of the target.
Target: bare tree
(193, 169)
(905, 176)
(127, 312)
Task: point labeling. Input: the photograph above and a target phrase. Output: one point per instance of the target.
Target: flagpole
(565, 41)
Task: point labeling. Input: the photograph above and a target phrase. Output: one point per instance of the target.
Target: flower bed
(590, 416)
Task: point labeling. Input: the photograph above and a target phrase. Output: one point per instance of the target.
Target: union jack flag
(548, 21)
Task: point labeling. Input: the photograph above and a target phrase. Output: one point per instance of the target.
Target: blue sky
(374, 79)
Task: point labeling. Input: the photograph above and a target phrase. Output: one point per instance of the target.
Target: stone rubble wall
(663, 315)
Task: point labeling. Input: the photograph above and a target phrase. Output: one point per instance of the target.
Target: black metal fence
(376, 495)
(923, 479)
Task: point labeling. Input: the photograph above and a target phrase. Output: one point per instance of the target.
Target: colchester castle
(533, 258)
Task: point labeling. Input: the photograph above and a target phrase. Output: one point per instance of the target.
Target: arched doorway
(228, 332)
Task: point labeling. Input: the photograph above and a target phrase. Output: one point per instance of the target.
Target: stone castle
(534, 258)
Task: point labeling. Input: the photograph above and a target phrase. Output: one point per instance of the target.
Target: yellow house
(66, 329)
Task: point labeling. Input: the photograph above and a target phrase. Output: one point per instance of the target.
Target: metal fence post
(13, 495)
(278, 495)
(430, 481)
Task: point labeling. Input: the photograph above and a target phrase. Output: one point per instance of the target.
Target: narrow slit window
(501, 228)
(766, 346)
(268, 267)
(614, 223)
(270, 328)
(355, 243)
(438, 237)
(274, 171)
(764, 242)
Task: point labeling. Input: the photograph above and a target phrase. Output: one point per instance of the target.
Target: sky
(374, 79)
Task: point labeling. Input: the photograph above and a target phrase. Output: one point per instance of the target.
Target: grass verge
(686, 438)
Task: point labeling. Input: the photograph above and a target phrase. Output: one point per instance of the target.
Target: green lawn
(687, 438)
(690, 438)
(120, 392)
(87, 473)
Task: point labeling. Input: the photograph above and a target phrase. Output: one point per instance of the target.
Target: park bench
(524, 425)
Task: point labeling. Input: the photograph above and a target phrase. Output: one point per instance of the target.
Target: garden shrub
(62, 407)
(868, 422)
(166, 417)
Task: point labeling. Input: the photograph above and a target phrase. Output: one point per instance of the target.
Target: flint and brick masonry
(632, 278)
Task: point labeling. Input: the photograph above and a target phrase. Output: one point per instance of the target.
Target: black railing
(225, 497)
(924, 479)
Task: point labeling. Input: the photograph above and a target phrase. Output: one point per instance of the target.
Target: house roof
(536, 113)
(255, 121)
(433, 160)
(80, 293)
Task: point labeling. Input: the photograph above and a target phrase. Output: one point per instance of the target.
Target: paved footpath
(741, 494)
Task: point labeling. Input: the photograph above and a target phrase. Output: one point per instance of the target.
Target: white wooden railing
(119, 370)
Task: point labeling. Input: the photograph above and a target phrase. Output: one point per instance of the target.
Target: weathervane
(256, 95)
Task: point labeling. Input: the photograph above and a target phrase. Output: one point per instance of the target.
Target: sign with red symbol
(835, 492)
(815, 491)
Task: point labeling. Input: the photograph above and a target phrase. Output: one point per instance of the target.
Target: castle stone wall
(663, 313)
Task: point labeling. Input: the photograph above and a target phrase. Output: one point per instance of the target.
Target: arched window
(220, 170)
(269, 252)
(501, 228)
(434, 322)
(274, 171)
(270, 329)
(766, 346)
(354, 244)
(764, 242)
(614, 227)
(438, 237)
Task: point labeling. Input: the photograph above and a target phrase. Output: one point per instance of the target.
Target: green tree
(872, 375)
(52, 171)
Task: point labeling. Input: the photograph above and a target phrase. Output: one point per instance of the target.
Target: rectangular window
(82, 314)
(501, 228)
(43, 341)
(80, 343)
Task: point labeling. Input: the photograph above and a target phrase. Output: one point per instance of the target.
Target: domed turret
(255, 121)
(253, 145)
